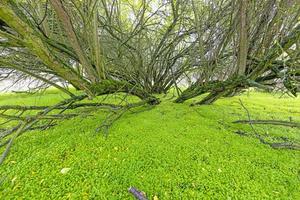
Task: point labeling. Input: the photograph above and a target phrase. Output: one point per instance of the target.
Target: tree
(143, 48)
(266, 55)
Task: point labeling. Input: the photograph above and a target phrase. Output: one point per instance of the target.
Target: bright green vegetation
(173, 151)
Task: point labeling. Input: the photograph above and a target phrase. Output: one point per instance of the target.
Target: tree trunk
(243, 39)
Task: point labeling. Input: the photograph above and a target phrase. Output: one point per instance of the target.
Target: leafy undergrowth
(172, 151)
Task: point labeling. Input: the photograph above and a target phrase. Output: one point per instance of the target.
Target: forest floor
(172, 151)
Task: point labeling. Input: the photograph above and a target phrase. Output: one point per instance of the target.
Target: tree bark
(32, 41)
(68, 27)
(243, 38)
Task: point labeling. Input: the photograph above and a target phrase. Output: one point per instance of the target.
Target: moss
(214, 87)
(172, 151)
(108, 86)
(113, 86)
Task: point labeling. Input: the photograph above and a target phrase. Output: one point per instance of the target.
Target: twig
(73, 106)
(29, 122)
(272, 122)
(137, 194)
(114, 116)
(250, 122)
(284, 145)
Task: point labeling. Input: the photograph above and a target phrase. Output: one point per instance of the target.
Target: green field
(172, 151)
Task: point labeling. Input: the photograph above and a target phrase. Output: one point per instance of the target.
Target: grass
(172, 151)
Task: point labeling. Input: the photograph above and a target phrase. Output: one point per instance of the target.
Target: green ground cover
(172, 151)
